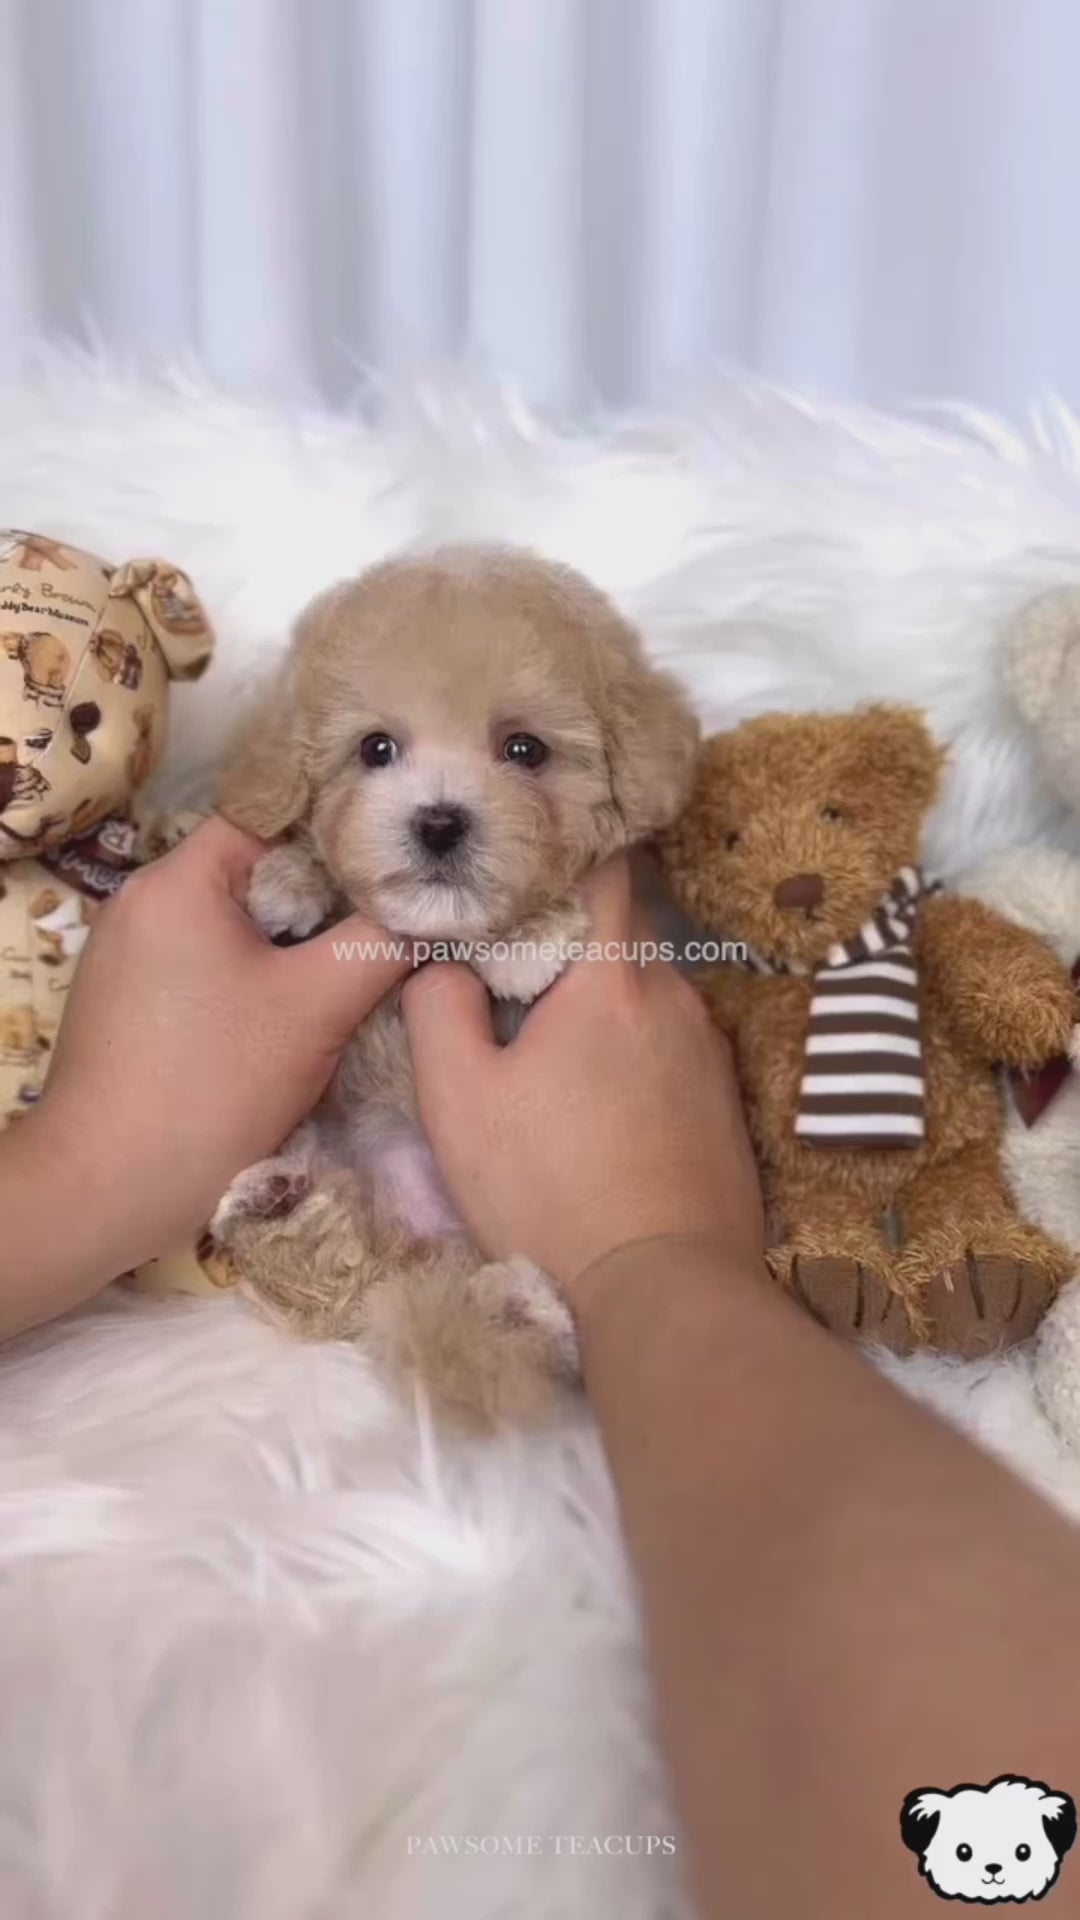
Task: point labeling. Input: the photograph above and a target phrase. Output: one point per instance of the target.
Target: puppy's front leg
(529, 959)
(291, 891)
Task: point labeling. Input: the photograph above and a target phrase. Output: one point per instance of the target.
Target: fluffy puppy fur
(452, 743)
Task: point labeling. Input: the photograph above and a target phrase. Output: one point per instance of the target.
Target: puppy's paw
(523, 1301)
(491, 1346)
(267, 1191)
(521, 1354)
(528, 961)
(290, 893)
(522, 975)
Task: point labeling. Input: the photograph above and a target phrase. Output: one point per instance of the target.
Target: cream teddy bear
(1040, 888)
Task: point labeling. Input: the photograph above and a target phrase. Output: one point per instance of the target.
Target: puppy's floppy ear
(263, 785)
(651, 737)
(1059, 1821)
(920, 1817)
(687, 848)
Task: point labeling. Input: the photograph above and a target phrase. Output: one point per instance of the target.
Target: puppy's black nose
(993, 1866)
(440, 829)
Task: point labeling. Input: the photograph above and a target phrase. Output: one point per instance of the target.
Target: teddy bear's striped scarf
(863, 1083)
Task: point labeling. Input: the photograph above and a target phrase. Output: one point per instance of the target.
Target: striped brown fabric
(863, 1082)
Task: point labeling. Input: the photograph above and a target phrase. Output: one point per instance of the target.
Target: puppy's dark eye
(524, 750)
(378, 750)
(732, 840)
(963, 1851)
(1023, 1851)
(832, 813)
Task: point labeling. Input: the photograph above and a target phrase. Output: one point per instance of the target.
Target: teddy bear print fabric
(86, 653)
(46, 909)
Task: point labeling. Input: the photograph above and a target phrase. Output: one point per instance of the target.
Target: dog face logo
(1002, 1842)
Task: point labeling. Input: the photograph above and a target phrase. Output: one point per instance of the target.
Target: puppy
(452, 743)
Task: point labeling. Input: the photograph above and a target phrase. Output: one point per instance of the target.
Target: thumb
(345, 971)
(448, 1021)
(609, 897)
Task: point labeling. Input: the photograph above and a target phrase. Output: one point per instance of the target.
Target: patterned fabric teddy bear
(87, 651)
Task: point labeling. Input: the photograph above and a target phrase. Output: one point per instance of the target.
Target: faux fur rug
(268, 1647)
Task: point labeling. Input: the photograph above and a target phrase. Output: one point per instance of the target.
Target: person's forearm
(785, 1505)
(61, 1222)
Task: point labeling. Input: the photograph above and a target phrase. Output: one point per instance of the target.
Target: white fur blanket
(267, 1648)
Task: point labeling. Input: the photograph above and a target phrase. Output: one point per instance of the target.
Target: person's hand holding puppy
(190, 1047)
(612, 1117)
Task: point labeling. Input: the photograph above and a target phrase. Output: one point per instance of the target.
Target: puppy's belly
(404, 1171)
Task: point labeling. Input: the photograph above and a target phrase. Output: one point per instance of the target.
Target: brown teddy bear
(867, 1016)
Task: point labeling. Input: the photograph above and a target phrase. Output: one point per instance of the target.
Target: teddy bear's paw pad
(269, 1191)
(986, 1302)
(851, 1299)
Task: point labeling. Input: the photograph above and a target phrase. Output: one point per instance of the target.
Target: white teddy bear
(1040, 888)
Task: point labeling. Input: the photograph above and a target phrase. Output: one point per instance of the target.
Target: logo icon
(1005, 1841)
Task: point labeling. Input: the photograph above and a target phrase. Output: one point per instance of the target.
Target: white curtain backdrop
(595, 198)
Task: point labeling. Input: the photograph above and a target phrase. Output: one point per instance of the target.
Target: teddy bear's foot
(986, 1303)
(844, 1295)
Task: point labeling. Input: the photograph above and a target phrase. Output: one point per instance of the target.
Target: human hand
(612, 1117)
(191, 1046)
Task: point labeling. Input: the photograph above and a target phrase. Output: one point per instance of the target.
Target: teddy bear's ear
(651, 736)
(263, 785)
(892, 749)
(172, 610)
(1042, 642)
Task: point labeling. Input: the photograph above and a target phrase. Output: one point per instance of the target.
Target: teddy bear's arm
(1001, 987)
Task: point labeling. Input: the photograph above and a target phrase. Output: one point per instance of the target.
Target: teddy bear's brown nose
(802, 890)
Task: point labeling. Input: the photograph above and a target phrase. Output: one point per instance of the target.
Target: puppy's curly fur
(453, 742)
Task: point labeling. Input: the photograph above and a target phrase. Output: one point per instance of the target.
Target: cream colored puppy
(452, 743)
